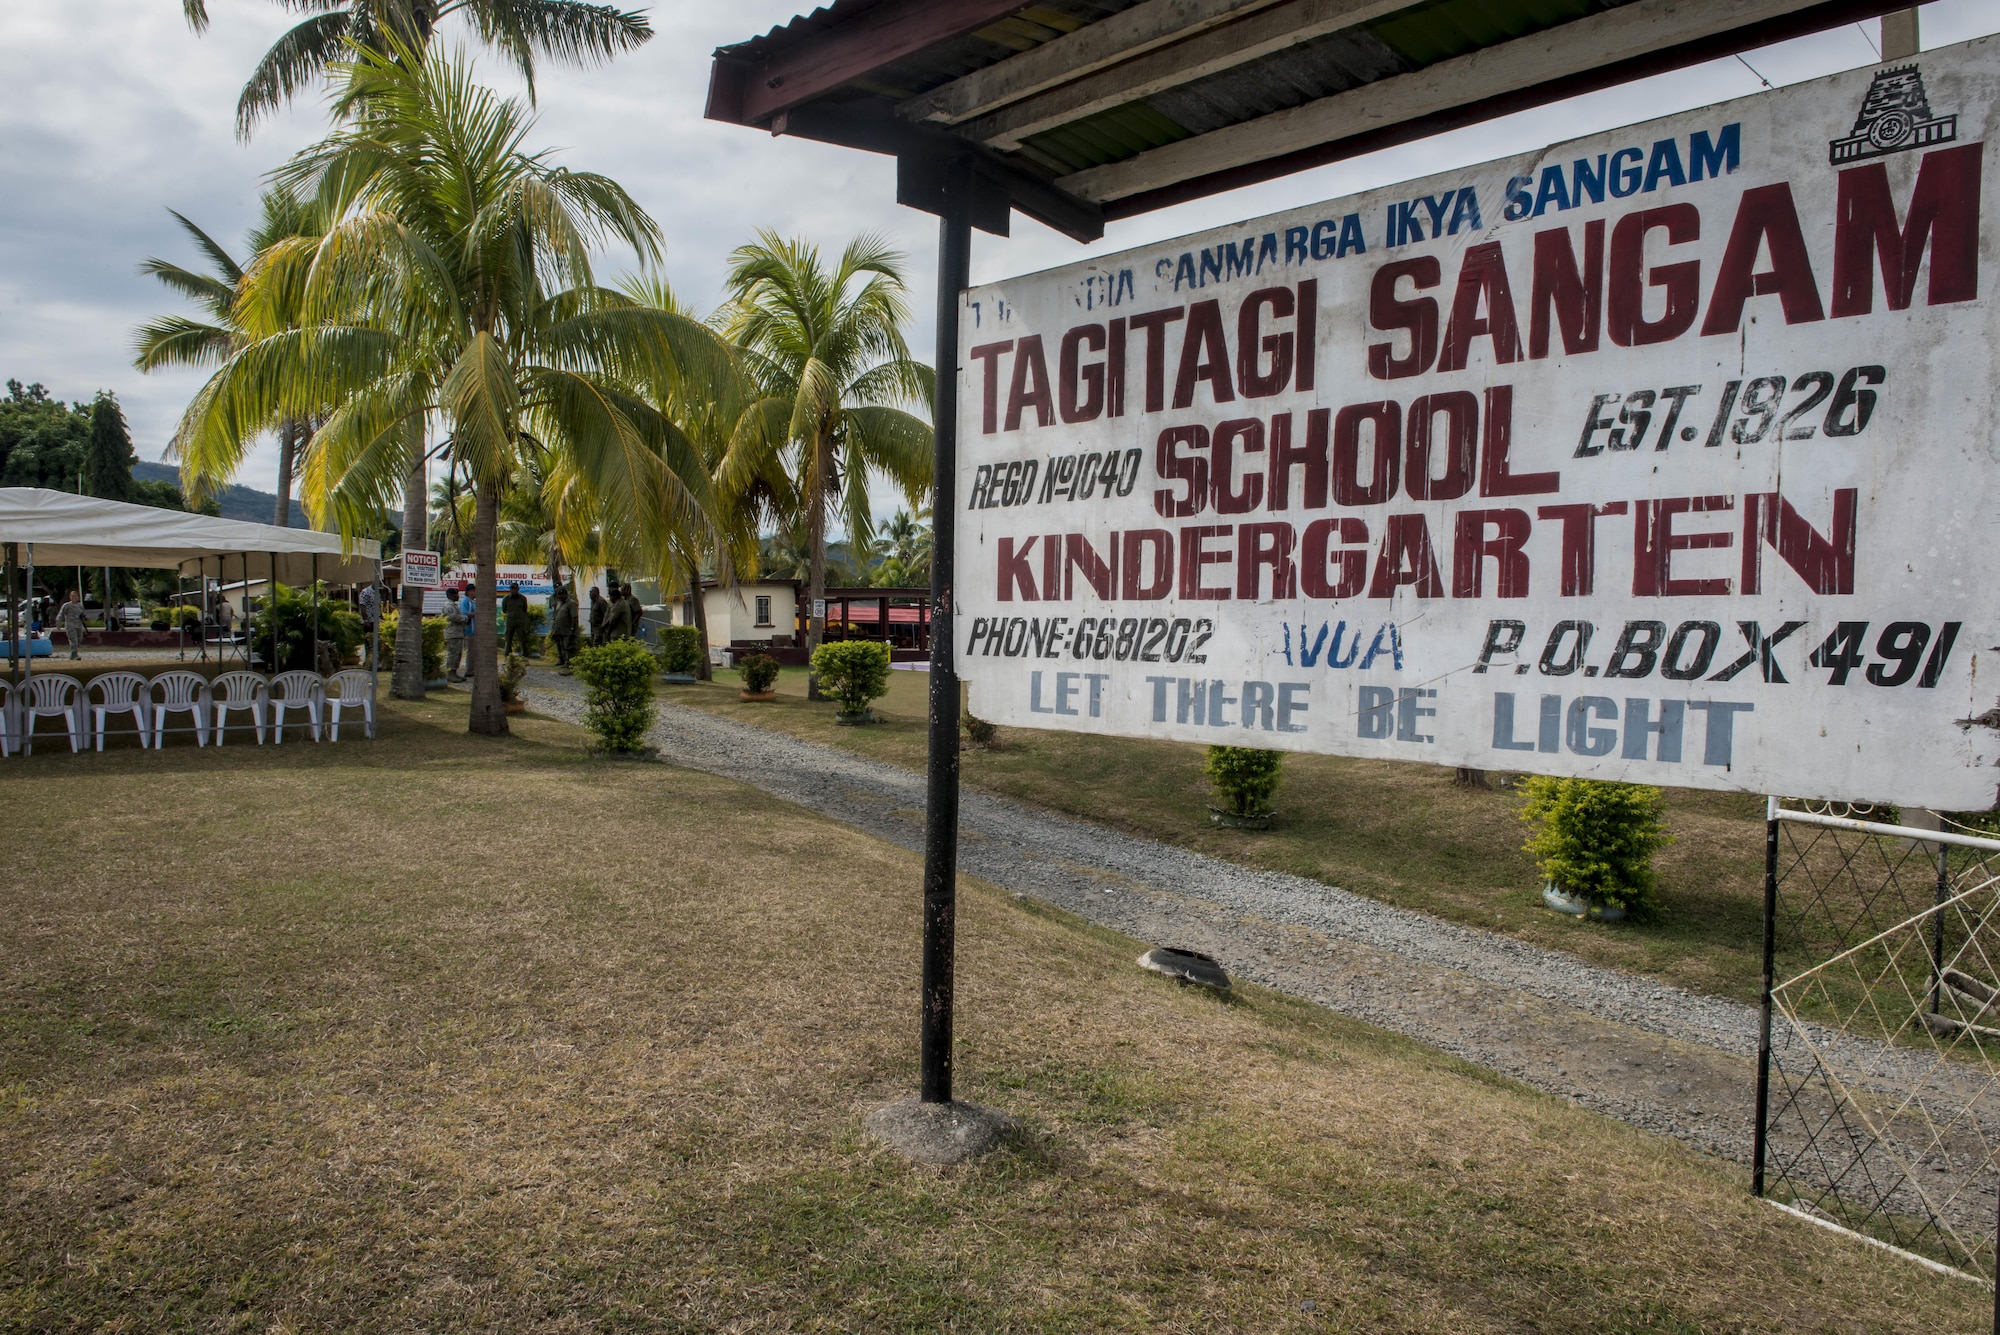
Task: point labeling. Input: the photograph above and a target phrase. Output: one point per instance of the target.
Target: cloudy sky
(112, 112)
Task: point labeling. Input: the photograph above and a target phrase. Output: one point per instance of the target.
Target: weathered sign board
(421, 569)
(1665, 455)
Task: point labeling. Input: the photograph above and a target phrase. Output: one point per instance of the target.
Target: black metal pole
(941, 804)
(1764, 1010)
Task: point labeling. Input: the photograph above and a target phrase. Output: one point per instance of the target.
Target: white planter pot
(1578, 907)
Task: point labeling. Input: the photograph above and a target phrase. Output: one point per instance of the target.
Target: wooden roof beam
(1121, 36)
(753, 93)
(1599, 49)
(1270, 29)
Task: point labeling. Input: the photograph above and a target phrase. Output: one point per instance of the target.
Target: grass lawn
(439, 1033)
(1400, 832)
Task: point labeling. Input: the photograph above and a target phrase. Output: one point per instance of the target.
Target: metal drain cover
(1187, 965)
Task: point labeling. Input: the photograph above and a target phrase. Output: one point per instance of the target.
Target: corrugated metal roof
(1320, 67)
(1410, 39)
(1023, 31)
(1427, 33)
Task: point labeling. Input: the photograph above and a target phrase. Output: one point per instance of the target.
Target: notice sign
(421, 570)
(1666, 455)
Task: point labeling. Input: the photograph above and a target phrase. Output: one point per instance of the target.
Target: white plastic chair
(52, 695)
(352, 689)
(6, 719)
(238, 690)
(179, 692)
(118, 693)
(296, 690)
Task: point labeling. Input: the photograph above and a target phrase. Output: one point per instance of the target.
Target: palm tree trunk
(705, 672)
(288, 442)
(489, 713)
(406, 680)
(816, 572)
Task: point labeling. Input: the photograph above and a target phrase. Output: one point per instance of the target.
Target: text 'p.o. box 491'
(1666, 455)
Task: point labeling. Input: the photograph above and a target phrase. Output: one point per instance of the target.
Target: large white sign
(1665, 455)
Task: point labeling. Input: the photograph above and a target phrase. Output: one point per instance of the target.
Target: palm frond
(297, 59)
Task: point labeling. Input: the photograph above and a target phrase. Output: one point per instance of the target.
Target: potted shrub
(618, 695)
(760, 676)
(512, 673)
(1244, 778)
(1594, 844)
(678, 649)
(853, 672)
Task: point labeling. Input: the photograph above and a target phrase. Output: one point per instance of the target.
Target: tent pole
(271, 588)
(315, 583)
(28, 658)
(13, 625)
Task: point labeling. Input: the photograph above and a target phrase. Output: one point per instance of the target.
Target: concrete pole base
(938, 1133)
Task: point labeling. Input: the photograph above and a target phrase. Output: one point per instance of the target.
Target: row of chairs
(151, 699)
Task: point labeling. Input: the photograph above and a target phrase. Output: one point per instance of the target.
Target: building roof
(1081, 111)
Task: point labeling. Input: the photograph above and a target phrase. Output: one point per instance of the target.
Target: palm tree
(908, 539)
(177, 340)
(825, 349)
(570, 30)
(453, 291)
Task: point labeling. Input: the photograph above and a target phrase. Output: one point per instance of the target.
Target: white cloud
(111, 112)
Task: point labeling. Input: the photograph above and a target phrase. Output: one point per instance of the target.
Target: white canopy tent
(68, 530)
(55, 529)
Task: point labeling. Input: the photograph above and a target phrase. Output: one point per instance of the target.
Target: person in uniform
(625, 613)
(456, 624)
(518, 618)
(70, 617)
(599, 612)
(562, 627)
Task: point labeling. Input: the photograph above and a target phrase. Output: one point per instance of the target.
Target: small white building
(763, 612)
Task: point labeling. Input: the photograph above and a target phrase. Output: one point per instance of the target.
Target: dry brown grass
(447, 1034)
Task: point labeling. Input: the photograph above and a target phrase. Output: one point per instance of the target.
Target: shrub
(512, 673)
(618, 694)
(179, 617)
(1597, 839)
(292, 610)
(759, 672)
(678, 649)
(852, 672)
(980, 732)
(433, 644)
(1244, 778)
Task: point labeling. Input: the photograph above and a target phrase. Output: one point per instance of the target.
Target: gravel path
(1657, 1056)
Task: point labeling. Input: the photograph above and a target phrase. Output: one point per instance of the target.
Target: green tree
(824, 348)
(181, 341)
(453, 291)
(568, 30)
(108, 456)
(43, 440)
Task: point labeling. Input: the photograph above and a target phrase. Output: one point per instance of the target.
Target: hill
(237, 502)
